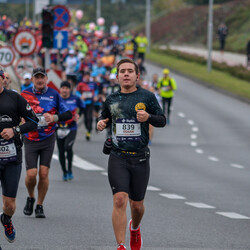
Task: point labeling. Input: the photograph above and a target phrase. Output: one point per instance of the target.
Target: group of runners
(100, 83)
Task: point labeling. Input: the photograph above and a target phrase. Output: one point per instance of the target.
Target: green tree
(170, 5)
(204, 2)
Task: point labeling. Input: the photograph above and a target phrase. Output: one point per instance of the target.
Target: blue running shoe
(65, 177)
(167, 121)
(10, 231)
(70, 176)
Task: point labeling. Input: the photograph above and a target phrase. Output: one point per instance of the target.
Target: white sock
(134, 229)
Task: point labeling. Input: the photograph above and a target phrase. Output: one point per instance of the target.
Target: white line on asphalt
(104, 173)
(193, 143)
(173, 196)
(199, 151)
(190, 122)
(152, 188)
(199, 205)
(233, 165)
(212, 158)
(85, 165)
(195, 129)
(233, 215)
(193, 136)
(182, 115)
(82, 164)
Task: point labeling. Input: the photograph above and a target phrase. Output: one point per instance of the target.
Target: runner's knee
(120, 200)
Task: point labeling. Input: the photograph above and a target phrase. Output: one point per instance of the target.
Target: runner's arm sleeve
(29, 116)
(105, 114)
(64, 116)
(157, 120)
(156, 115)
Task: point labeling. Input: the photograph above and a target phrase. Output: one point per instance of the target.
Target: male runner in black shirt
(129, 112)
(12, 107)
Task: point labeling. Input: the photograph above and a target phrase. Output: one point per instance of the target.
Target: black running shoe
(39, 211)
(28, 209)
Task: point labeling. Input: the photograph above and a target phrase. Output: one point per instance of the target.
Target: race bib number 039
(128, 130)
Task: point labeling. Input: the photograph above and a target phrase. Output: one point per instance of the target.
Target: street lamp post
(27, 9)
(210, 35)
(98, 9)
(148, 23)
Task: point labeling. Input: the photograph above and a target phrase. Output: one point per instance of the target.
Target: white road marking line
(190, 122)
(193, 143)
(212, 158)
(233, 165)
(173, 196)
(199, 205)
(104, 173)
(82, 164)
(199, 151)
(85, 165)
(195, 129)
(182, 115)
(232, 215)
(193, 136)
(152, 188)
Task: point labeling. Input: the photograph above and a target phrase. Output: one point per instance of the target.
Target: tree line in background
(204, 2)
(132, 11)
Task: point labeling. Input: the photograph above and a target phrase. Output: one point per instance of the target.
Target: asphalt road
(198, 194)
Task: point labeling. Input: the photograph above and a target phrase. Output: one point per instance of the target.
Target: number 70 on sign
(7, 56)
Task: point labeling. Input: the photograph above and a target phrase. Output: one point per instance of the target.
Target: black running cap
(37, 71)
(65, 84)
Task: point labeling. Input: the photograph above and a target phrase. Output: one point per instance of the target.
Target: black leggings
(167, 101)
(129, 174)
(88, 117)
(66, 145)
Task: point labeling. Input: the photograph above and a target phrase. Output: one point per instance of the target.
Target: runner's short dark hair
(127, 60)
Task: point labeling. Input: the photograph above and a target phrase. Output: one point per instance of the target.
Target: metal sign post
(210, 36)
(47, 58)
(148, 23)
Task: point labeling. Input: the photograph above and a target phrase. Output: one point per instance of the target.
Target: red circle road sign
(7, 56)
(62, 17)
(24, 65)
(24, 42)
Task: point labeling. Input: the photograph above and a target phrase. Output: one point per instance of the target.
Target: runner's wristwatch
(17, 130)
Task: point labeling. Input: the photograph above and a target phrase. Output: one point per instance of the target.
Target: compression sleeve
(157, 120)
(64, 116)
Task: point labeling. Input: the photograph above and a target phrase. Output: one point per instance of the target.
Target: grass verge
(221, 80)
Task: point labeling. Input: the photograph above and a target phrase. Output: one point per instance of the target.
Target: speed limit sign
(7, 56)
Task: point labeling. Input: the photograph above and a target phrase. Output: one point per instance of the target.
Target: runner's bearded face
(40, 81)
(127, 77)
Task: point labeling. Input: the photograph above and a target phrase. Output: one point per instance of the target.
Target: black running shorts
(43, 149)
(129, 174)
(10, 176)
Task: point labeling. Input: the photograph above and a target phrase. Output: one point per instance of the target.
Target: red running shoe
(135, 238)
(121, 247)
